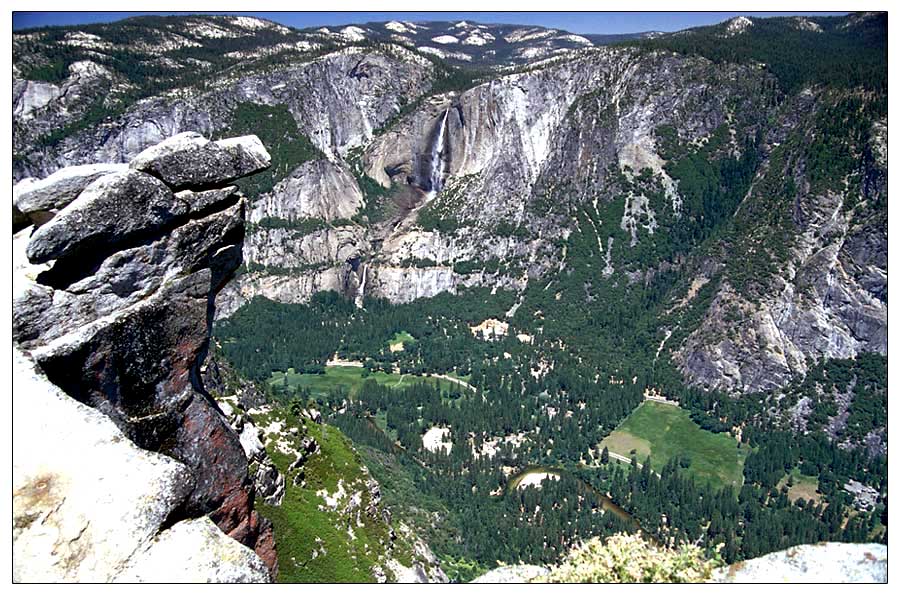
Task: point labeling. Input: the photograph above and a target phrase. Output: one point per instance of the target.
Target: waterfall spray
(361, 289)
(437, 158)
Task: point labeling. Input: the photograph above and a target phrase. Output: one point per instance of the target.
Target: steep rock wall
(113, 300)
(337, 100)
(823, 290)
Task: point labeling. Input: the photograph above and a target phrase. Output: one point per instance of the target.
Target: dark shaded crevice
(459, 112)
(360, 70)
(179, 513)
(19, 220)
(195, 375)
(393, 171)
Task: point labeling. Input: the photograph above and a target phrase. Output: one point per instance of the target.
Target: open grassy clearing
(350, 378)
(399, 341)
(662, 432)
(804, 486)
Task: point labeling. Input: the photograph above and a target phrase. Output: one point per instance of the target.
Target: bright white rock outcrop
(195, 551)
(820, 563)
(85, 498)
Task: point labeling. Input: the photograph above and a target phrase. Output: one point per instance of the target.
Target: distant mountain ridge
(476, 44)
(458, 42)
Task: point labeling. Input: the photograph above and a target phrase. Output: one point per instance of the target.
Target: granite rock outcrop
(113, 301)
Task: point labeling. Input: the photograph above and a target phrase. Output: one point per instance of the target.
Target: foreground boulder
(114, 303)
(102, 522)
(195, 551)
(820, 563)
(111, 211)
(188, 160)
(64, 527)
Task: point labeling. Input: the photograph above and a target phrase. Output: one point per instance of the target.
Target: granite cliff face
(527, 157)
(520, 156)
(112, 312)
(338, 100)
(826, 296)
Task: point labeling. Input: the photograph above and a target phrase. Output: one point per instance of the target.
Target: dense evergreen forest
(513, 419)
(828, 52)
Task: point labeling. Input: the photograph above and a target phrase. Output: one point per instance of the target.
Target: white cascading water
(361, 290)
(437, 159)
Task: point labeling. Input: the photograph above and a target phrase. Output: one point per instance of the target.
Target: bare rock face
(335, 110)
(116, 306)
(114, 209)
(287, 289)
(509, 148)
(821, 563)
(318, 189)
(41, 199)
(519, 573)
(65, 528)
(30, 96)
(188, 160)
(40, 107)
(193, 551)
(269, 483)
(827, 297)
(104, 521)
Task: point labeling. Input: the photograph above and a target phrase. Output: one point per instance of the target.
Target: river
(606, 503)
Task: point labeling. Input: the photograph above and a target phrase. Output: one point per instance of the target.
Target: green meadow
(350, 378)
(663, 432)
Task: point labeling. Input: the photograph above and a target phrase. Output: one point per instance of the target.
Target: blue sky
(577, 22)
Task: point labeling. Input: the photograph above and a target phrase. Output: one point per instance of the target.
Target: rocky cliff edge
(124, 468)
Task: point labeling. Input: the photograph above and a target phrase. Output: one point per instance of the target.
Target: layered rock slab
(820, 563)
(116, 308)
(188, 160)
(39, 200)
(193, 552)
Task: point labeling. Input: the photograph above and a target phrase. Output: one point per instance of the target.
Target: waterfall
(361, 289)
(437, 159)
